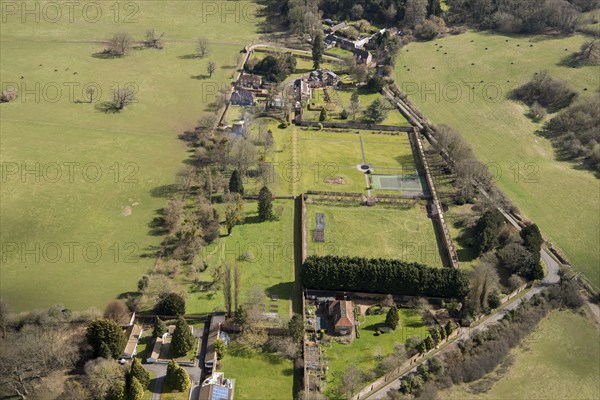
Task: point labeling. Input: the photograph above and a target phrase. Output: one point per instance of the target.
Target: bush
(550, 93)
(375, 84)
(428, 30)
(537, 112)
(344, 114)
(392, 319)
(576, 132)
(383, 276)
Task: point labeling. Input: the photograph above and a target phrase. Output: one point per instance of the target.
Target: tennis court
(409, 184)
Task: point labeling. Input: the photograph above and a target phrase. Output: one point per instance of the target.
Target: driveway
(195, 372)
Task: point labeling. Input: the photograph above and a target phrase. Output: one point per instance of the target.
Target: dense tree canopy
(108, 332)
(170, 304)
(487, 230)
(383, 276)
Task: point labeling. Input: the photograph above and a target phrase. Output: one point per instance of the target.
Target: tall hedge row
(378, 275)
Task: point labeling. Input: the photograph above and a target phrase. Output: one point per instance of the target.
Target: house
(303, 90)
(340, 26)
(342, 314)
(249, 81)
(363, 56)
(133, 333)
(276, 102)
(242, 97)
(216, 387)
(322, 77)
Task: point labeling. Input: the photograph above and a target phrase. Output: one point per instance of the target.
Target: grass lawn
(99, 210)
(405, 234)
(339, 52)
(466, 254)
(271, 263)
(362, 351)
(558, 197)
(324, 156)
(258, 375)
(559, 360)
(341, 99)
(145, 346)
(170, 394)
(279, 158)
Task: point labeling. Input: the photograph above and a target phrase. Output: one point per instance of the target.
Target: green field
(558, 197)
(559, 360)
(362, 351)
(258, 375)
(405, 234)
(113, 211)
(270, 266)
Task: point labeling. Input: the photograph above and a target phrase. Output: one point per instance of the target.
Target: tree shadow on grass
(273, 358)
(282, 289)
(253, 219)
(569, 61)
(199, 77)
(164, 191)
(105, 55)
(107, 107)
(188, 57)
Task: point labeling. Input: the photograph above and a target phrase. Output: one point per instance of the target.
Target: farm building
(342, 315)
(322, 77)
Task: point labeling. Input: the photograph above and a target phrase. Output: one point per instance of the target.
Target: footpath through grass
(559, 198)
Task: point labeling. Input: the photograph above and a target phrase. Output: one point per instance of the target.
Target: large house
(216, 387)
(249, 81)
(242, 97)
(322, 77)
(342, 314)
(303, 90)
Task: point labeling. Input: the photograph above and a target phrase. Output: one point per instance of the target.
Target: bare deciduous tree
(211, 67)
(90, 93)
(31, 354)
(117, 311)
(153, 39)
(202, 47)
(119, 44)
(123, 97)
(227, 294)
(237, 284)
